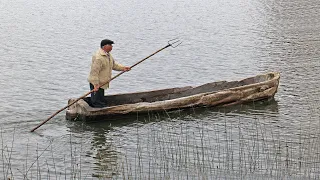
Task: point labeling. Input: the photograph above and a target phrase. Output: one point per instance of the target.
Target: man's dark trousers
(97, 98)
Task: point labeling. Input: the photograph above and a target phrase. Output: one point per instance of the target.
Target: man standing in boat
(101, 71)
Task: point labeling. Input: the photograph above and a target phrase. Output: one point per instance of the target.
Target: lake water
(46, 49)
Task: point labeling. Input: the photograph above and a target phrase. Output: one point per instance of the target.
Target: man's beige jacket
(101, 68)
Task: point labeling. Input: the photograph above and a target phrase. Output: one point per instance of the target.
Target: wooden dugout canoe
(222, 93)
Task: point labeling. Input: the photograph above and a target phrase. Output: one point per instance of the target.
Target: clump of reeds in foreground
(228, 146)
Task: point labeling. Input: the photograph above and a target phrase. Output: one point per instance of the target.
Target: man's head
(106, 45)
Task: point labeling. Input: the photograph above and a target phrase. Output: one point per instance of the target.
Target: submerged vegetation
(222, 145)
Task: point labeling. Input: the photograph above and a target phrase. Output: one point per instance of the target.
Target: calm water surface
(46, 49)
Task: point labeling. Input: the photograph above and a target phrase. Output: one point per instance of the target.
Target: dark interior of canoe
(173, 93)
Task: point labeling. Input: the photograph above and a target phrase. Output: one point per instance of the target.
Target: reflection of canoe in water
(220, 93)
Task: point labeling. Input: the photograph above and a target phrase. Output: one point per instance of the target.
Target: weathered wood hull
(221, 93)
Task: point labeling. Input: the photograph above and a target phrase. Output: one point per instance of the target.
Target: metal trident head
(174, 42)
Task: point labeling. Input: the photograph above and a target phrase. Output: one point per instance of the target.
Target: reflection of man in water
(105, 155)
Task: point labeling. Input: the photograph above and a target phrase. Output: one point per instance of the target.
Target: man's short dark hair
(105, 42)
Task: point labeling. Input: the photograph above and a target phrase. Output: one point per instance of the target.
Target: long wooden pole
(85, 95)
